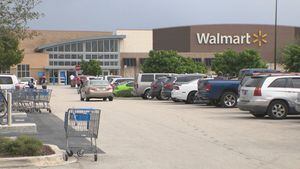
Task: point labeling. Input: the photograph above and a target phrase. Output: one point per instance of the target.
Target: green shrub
(22, 146)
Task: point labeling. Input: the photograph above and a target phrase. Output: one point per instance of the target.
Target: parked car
(96, 89)
(8, 82)
(177, 80)
(185, 92)
(25, 80)
(116, 81)
(143, 83)
(124, 89)
(272, 95)
(218, 92)
(156, 88)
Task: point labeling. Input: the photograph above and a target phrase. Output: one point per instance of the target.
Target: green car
(124, 89)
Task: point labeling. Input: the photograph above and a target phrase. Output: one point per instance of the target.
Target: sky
(109, 15)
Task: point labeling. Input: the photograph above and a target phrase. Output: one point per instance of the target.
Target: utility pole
(275, 31)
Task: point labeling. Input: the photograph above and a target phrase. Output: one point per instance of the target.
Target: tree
(92, 67)
(291, 58)
(10, 54)
(14, 16)
(170, 62)
(231, 62)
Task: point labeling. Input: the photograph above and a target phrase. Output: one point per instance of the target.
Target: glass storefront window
(80, 47)
(74, 56)
(88, 46)
(94, 46)
(67, 48)
(61, 48)
(88, 56)
(23, 70)
(94, 57)
(67, 56)
(106, 45)
(100, 46)
(73, 47)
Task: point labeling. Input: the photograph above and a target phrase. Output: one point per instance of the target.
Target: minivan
(143, 83)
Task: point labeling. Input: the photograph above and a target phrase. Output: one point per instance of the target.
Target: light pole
(275, 39)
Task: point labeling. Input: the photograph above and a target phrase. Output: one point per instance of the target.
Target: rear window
(282, 82)
(147, 78)
(159, 76)
(6, 80)
(99, 82)
(254, 82)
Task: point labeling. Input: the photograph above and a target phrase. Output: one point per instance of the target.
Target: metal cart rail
(84, 123)
(31, 100)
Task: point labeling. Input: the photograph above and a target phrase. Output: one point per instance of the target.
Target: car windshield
(6, 80)
(98, 82)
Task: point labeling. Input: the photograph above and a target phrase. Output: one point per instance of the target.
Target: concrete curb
(38, 161)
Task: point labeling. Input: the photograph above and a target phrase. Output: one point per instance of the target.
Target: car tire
(191, 98)
(147, 95)
(229, 100)
(81, 99)
(87, 99)
(105, 98)
(162, 97)
(110, 98)
(278, 110)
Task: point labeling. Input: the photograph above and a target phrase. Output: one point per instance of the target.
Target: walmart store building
(56, 53)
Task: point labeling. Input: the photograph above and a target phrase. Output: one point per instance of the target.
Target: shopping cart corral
(84, 123)
(31, 100)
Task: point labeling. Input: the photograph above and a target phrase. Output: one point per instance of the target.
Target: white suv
(8, 82)
(273, 95)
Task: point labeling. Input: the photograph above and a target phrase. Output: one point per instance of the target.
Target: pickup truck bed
(218, 92)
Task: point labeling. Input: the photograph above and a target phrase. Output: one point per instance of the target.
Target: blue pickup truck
(218, 92)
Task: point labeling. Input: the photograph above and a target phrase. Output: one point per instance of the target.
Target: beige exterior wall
(136, 41)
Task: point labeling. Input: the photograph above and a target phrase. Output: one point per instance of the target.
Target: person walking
(44, 82)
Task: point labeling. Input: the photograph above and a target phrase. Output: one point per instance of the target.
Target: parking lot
(151, 134)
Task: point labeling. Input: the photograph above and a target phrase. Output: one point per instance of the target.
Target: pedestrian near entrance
(44, 82)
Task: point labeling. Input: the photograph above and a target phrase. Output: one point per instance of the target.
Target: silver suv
(143, 83)
(272, 95)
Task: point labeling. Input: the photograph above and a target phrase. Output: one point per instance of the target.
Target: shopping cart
(84, 123)
(31, 100)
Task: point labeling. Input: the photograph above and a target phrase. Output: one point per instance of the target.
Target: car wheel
(162, 97)
(110, 98)
(191, 98)
(147, 95)
(278, 110)
(229, 100)
(104, 99)
(87, 99)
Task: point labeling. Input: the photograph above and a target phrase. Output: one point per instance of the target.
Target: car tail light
(176, 87)
(208, 87)
(257, 91)
(168, 86)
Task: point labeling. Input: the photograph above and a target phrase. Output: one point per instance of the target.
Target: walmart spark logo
(260, 38)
